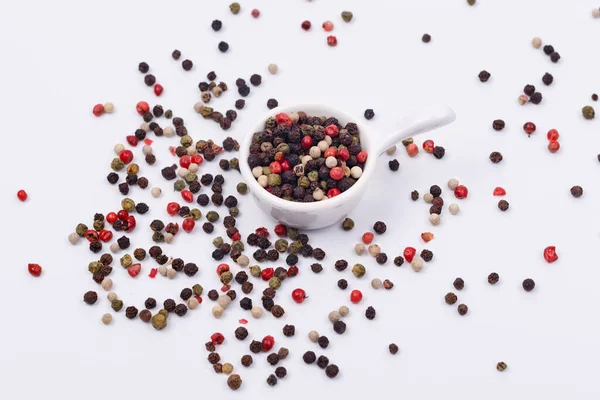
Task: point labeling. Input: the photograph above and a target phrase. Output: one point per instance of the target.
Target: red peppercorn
(185, 161)
(285, 165)
(22, 195)
(330, 152)
(126, 156)
(188, 224)
(367, 237)
(98, 110)
(292, 271)
(343, 154)
(243, 321)
(172, 150)
(199, 298)
(553, 146)
(283, 119)
(332, 41)
(332, 130)
(132, 140)
(306, 142)
(158, 89)
(148, 142)
(187, 195)
(279, 156)
(262, 232)
(333, 192)
(91, 235)
(267, 274)
(298, 295)
(111, 217)
(131, 223)
(361, 156)
(280, 230)
(255, 13)
(217, 338)
(461, 192)
(172, 208)
(356, 296)
(225, 288)
(306, 25)
(153, 273)
(236, 237)
(552, 134)
(412, 150)
(499, 191)
(134, 270)
(267, 343)
(275, 167)
(409, 253)
(123, 215)
(142, 107)
(328, 26)
(550, 254)
(529, 128)
(336, 173)
(172, 228)
(105, 235)
(222, 268)
(34, 269)
(428, 146)
(197, 159)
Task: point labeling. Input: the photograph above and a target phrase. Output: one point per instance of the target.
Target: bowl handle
(425, 120)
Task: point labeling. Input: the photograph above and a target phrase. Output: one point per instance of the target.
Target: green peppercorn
(217, 242)
(98, 225)
(242, 188)
(81, 229)
(212, 216)
(234, 163)
(126, 261)
(179, 185)
(164, 313)
(186, 141)
(274, 180)
(295, 247)
(195, 214)
(197, 289)
(235, 8)
(347, 16)
(169, 114)
(304, 182)
(116, 305)
(348, 224)
(191, 177)
(293, 233)
(206, 112)
(94, 267)
(255, 271)
(408, 141)
(274, 283)
(359, 270)
(234, 211)
(501, 366)
(270, 123)
(281, 245)
(159, 321)
(588, 112)
(158, 237)
(313, 176)
(283, 148)
(238, 245)
(128, 204)
(266, 171)
(117, 164)
(226, 277)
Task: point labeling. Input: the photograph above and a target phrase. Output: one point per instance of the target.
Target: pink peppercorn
(328, 26)
(98, 110)
(305, 25)
(158, 89)
(332, 130)
(412, 150)
(336, 173)
(461, 192)
(362, 156)
(332, 41)
(255, 13)
(553, 146)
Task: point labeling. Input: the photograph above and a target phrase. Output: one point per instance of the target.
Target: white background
(59, 58)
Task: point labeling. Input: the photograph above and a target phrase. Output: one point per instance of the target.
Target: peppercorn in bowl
(308, 165)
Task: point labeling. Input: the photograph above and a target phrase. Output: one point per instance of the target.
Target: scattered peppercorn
(498, 124)
(463, 309)
(503, 205)
(369, 113)
(309, 357)
(577, 191)
(459, 284)
(484, 76)
(496, 157)
(426, 38)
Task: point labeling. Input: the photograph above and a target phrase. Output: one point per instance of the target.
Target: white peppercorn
(112, 296)
(536, 42)
(224, 301)
(162, 270)
(453, 208)
(263, 181)
(198, 107)
(314, 152)
(256, 312)
(156, 192)
(145, 126)
(328, 139)
(434, 219)
(428, 198)
(374, 250)
(119, 148)
(318, 194)
(356, 172)
(330, 162)
(182, 172)
(147, 150)
(334, 316)
(193, 303)
(595, 14)
(107, 283)
(217, 311)
(227, 367)
(294, 117)
(344, 311)
(193, 168)
(391, 150)
(109, 107)
(191, 151)
(313, 336)
(453, 183)
(171, 273)
(273, 68)
(115, 247)
(322, 145)
(522, 99)
(169, 131)
(376, 283)
(106, 319)
(306, 159)
(243, 261)
(169, 237)
(417, 264)
(359, 249)
(73, 238)
(257, 171)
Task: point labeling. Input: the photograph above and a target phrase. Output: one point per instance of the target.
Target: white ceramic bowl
(320, 214)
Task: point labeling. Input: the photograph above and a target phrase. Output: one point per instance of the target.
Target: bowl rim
(367, 138)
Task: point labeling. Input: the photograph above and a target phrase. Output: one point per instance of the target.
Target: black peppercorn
(342, 284)
(223, 47)
(381, 258)
(439, 152)
(316, 268)
(272, 380)
(280, 372)
(426, 255)
(332, 371)
(318, 254)
(554, 57)
(322, 362)
(528, 285)
(394, 165)
(186, 294)
(291, 259)
(498, 124)
(393, 347)
(112, 178)
(370, 313)
(398, 261)
(459, 283)
(577, 191)
(339, 327)
(369, 113)
(277, 311)
(289, 330)
(496, 157)
(309, 357)
(529, 90)
(123, 242)
(463, 309)
(493, 278)
(246, 303)
(414, 195)
(255, 346)
(547, 79)
(503, 205)
(484, 76)
(143, 67)
(176, 54)
(548, 49)
(150, 303)
(536, 98)
(241, 333)
(149, 80)
(90, 297)
(272, 103)
(131, 312)
(208, 227)
(273, 359)
(187, 65)
(213, 295)
(190, 269)
(323, 342)
(214, 358)
(124, 188)
(247, 360)
(341, 265)
(594, 97)
(256, 80)
(169, 305)
(450, 298)
(435, 191)
(239, 104)
(203, 200)
(426, 38)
